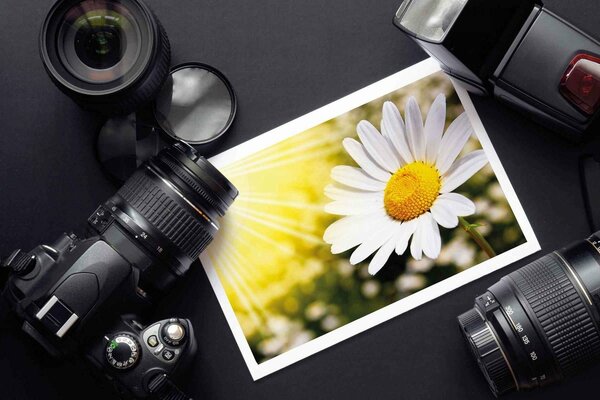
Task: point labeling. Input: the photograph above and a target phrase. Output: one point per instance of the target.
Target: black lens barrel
(117, 93)
(544, 319)
(170, 207)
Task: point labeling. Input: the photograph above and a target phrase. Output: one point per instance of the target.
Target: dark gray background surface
(284, 58)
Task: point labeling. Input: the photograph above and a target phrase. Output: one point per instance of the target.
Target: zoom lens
(539, 324)
(111, 56)
(170, 208)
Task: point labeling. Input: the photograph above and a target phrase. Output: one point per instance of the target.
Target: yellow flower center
(411, 191)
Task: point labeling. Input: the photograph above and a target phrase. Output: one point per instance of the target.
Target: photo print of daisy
(404, 185)
(358, 212)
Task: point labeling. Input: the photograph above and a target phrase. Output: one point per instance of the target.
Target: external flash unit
(517, 50)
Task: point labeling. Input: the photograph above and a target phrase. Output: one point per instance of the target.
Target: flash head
(516, 50)
(467, 37)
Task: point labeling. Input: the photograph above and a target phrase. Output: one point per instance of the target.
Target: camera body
(70, 295)
(516, 50)
(68, 287)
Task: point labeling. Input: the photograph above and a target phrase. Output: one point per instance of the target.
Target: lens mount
(487, 351)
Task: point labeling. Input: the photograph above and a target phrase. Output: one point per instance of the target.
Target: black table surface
(284, 58)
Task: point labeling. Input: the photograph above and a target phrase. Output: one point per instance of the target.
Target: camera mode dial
(122, 351)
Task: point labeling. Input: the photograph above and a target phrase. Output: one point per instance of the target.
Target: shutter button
(174, 333)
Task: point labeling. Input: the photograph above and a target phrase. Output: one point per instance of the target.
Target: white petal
(404, 233)
(431, 240)
(453, 141)
(348, 242)
(349, 232)
(434, 127)
(375, 240)
(356, 178)
(457, 203)
(356, 207)
(414, 128)
(359, 154)
(416, 248)
(394, 130)
(335, 192)
(382, 256)
(463, 170)
(444, 215)
(377, 146)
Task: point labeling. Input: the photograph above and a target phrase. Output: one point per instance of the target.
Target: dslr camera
(69, 294)
(90, 295)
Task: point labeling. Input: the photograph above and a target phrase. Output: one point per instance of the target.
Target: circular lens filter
(196, 105)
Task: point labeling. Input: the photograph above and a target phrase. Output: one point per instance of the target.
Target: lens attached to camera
(541, 323)
(169, 207)
(111, 56)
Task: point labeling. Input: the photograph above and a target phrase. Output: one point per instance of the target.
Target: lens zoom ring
(561, 312)
(161, 209)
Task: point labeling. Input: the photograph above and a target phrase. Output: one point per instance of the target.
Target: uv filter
(196, 105)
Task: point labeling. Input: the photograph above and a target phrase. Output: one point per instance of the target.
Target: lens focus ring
(560, 311)
(165, 213)
(198, 189)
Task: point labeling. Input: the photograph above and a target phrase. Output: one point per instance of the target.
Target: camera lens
(111, 56)
(99, 41)
(539, 324)
(170, 207)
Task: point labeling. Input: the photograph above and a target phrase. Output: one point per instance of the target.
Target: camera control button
(168, 355)
(159, 349)
(174, 333)
(152, 341)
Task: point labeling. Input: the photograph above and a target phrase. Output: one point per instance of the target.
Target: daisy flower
(402, 190)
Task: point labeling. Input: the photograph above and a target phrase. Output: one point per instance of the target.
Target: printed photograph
(356, 214)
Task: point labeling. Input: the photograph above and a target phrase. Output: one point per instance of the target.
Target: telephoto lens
(541, 323)
(110, 56)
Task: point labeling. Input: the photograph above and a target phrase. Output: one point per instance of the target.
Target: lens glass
(430, 19)
(99, 41)
(196, 104)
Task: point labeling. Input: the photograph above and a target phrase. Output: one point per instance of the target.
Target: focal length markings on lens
(530, 342)
(528, 349)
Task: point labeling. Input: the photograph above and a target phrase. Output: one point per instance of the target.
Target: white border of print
(317, 117)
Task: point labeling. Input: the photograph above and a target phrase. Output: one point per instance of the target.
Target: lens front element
(99, 42)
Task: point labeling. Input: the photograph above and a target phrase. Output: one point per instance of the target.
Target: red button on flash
(581, 83)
